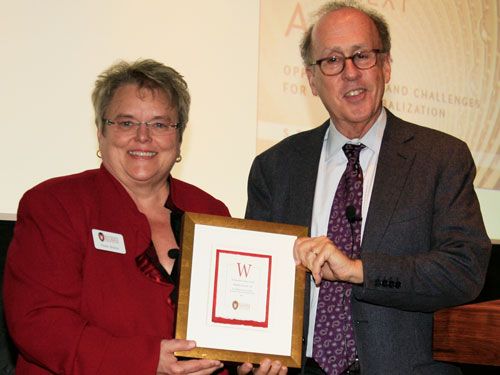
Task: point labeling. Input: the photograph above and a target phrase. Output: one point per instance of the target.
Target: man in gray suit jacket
(424, 246)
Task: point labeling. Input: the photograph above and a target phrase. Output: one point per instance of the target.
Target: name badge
(108, 241)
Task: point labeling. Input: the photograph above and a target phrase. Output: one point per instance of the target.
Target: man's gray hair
(377, 18)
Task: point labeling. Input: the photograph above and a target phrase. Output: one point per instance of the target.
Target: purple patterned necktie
(334, 347)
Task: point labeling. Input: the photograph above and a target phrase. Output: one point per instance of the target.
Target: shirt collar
(372, 139)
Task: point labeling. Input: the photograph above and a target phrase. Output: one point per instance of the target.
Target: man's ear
(387, 68)
(311, 75)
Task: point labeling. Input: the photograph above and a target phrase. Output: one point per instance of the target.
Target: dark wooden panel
(468, 334)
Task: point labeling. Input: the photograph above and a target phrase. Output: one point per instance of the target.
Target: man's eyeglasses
(157, 127)
(335, 64)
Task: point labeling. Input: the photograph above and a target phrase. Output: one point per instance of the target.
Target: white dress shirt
(331, 166)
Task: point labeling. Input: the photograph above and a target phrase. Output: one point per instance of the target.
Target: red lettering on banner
(242, 269)
(389, 2)
(401, 5)
(297, 21)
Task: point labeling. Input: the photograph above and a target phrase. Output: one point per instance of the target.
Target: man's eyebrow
(341, 50)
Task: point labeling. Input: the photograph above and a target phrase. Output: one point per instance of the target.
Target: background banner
(445, 72)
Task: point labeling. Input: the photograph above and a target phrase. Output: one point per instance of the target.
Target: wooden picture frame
(241, 296)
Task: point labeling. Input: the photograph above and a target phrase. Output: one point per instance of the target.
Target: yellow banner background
(445, 72)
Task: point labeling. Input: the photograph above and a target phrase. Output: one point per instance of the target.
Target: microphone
(174, 274)
(174, 254)
(350, 213)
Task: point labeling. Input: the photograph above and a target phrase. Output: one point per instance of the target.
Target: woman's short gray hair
(144, 73)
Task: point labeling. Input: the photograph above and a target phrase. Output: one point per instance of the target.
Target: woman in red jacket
(89, 284)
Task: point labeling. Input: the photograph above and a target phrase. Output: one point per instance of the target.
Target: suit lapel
(303, 176)
(394, 163)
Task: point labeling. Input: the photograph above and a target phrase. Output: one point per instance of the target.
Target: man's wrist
(356, 276)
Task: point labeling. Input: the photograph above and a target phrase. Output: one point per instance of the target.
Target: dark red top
(72, 308)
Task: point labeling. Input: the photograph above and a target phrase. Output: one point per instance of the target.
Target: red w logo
(244, 269)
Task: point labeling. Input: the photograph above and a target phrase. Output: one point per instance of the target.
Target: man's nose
(350, 71)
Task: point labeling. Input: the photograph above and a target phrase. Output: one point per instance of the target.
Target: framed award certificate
(241, 296)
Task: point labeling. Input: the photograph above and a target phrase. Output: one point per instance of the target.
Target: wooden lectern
(468, 334)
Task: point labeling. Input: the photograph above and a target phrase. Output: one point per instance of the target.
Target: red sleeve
(42, 297)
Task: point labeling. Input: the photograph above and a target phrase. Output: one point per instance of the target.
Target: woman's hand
(266, 367)
(326, 261)
(169, 364)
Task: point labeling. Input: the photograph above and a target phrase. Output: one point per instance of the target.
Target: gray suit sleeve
(259, 197)
(436, 256)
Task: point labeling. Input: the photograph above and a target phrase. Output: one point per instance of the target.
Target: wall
(53, 50)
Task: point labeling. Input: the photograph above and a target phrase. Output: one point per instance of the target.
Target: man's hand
(326, 261)
(266, 367)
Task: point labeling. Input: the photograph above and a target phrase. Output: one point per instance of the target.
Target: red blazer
(75, 309)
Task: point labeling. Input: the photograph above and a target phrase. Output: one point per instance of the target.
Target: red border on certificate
(242, 269)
